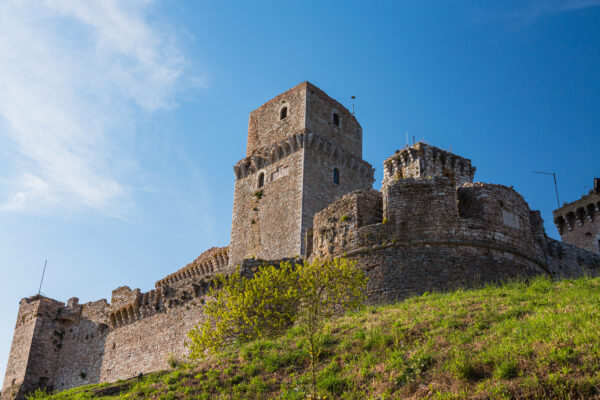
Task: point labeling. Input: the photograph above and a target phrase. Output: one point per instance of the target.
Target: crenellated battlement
(253, 164)
(579, 222)
(212, 261)
(422, 160)
(580, 212)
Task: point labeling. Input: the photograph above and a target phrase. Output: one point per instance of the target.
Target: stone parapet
(422, 160)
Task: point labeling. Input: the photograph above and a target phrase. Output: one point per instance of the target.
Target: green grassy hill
(524, 341)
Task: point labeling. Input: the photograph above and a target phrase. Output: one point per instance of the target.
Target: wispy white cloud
(74, 75)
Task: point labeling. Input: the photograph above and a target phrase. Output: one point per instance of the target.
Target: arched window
(261, 180)
(336, 176)
(336, 119)
(283, 113)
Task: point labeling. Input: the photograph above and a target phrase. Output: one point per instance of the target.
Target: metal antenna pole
(43, 273)
(353, 98)
(555, 184)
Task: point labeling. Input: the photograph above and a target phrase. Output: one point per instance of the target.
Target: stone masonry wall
(266, 222)
(83, 329)
(320, 108)
(145, 345)
(34, 352)
(566, 260)
(266, 128)
(319, 187)
(61, 346)
(19, 350)
(435, 236)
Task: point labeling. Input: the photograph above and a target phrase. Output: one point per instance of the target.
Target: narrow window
(336, 176)
(336, 119)
(283, 113)
(261, 180)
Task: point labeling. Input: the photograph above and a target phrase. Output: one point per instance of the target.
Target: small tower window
(336, 176)
(261, 180)
(336, 119)
(283, 113)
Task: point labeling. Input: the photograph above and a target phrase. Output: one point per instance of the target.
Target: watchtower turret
(304, 150)
(34, 352)
(579, 222)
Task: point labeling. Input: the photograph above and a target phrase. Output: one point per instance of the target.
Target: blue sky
(120, 121)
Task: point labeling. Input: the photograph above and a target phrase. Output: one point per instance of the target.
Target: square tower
(304, 150)
(578, 222)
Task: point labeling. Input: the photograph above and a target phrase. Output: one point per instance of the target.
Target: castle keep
(296, 143)
(304, 191)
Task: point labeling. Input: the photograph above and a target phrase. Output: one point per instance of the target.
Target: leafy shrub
(275, 297)
(246, 308)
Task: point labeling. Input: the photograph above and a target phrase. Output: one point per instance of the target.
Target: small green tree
(244, 308)
(326, 288)
(275, 297)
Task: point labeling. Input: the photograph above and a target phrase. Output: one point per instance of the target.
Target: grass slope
(527, 341)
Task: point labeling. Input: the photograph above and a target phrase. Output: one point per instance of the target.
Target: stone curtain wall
(579, 222)
(566, 260)
(62, 346)
(145, 345)
(83, 330)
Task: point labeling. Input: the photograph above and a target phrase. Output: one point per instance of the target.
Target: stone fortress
(304, 191)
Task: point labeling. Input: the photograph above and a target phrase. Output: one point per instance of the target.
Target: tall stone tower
(304, 150)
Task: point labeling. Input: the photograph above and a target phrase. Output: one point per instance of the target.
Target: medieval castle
(303, 190)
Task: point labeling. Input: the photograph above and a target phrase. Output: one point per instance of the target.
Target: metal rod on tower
(555, 184)
(353, 98)
(42, 281)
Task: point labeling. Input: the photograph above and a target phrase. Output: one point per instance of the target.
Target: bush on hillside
(273, 299)
(246, 308)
